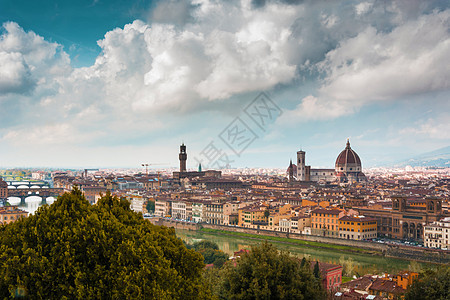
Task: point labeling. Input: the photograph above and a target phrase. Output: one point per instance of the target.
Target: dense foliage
(432, 285)
(266, 273)
(211, 253)
(72, 249)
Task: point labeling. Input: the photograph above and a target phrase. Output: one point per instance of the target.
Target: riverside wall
(389, 250)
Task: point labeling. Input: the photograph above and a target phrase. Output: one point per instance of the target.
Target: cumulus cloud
(28, 60)
(381, 66)
(199, 54)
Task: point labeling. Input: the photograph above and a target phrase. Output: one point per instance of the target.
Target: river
(363, 263)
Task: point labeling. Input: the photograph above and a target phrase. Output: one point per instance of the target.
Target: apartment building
(357, 227)
(436, 235)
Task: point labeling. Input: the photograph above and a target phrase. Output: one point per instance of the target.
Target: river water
(363, 263)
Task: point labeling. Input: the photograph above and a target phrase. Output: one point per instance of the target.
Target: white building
(137, 203)
(179, 210)
(285, 225)
(436, 235)
(197, 212)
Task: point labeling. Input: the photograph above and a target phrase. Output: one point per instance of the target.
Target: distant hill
(437, 158)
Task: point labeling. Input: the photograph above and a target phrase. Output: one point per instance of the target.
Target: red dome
(294, 167)
(348, 156)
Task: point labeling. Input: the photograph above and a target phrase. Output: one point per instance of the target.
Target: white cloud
(205, 55)
(28, 60)
(377, 66)
(383, 66)
(363, 7)
(431, 129)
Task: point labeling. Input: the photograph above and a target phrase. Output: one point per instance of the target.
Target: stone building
(436, 234)
(403, 221)
(348, 168)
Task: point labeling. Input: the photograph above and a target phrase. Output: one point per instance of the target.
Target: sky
(242, 83)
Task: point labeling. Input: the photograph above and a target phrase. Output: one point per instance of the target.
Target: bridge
(29, 184)
(25, 189)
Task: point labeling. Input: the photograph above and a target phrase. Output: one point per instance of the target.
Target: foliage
(205, 245)
(414, 266)
(150, 206)
(210, 252)
(432, 285)
(348, 266)
(73, 250)
(266, 273)
(316, 271)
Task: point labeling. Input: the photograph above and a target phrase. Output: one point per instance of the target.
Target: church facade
(348, 168)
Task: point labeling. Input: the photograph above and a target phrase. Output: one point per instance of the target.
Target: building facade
(403, 221)
(436, 234)
(325, 222)
(357, 228)
(9, 214)
(348, 168)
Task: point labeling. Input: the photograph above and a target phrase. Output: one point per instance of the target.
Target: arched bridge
(44, 193)
(29, 184)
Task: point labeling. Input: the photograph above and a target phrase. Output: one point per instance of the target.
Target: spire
(348, 144)
(199, 167)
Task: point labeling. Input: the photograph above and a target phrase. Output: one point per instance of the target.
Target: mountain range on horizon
(437, 158)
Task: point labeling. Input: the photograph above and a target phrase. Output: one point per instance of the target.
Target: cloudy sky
(118, 83)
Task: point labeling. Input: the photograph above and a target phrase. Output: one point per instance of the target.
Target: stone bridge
(44, 193)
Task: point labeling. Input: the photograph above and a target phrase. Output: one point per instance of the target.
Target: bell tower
(183, 158)
(301, 165)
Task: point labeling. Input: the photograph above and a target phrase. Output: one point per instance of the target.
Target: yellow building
(325, 222)
(357, 228)
(252, 217)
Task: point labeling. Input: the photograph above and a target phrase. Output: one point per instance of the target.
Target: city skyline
(110, 84)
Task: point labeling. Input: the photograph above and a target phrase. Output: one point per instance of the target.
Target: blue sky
(120, 83)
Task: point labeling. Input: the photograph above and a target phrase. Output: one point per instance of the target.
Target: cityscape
(204, 149)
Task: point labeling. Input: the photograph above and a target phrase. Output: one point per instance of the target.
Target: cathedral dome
(348, 160)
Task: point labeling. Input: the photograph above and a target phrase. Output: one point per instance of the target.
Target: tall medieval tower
(183, 158)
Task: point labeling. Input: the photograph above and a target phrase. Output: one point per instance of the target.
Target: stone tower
(301, 165)
(183, 158)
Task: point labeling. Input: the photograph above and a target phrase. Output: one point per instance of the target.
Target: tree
(211, 253)
(72, 249)
(316, 271)
(266, 273)
(150, 206)
(431, 285)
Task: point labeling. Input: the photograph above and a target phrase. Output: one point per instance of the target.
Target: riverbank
(290, 241)
(339, 245)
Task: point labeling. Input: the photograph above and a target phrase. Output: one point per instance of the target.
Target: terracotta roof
(388, 286)
(347, 156)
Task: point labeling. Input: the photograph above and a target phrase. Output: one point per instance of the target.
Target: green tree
(432, 285)
(316, 271)
(266, 273)
(73, 250)
(150, 206)
(206, 245)
(211, 253)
